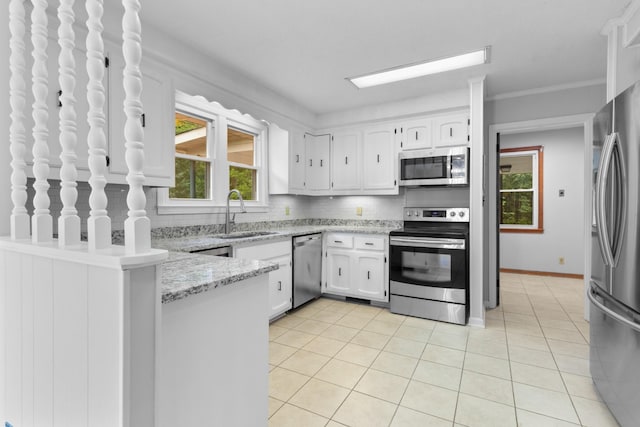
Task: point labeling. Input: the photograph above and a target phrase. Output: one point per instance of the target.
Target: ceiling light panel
(412, 71)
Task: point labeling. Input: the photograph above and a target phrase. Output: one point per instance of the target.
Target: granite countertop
(184, 273)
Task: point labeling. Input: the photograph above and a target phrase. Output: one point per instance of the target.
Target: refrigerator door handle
(601, 187)
(620, 318)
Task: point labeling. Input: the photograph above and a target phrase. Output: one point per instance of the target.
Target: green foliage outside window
(184, 189)
(244, 180)
(516, 206)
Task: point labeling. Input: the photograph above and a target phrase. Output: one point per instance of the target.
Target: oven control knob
(452, 213)
(461, 214)
(409, 213)
(416, 213)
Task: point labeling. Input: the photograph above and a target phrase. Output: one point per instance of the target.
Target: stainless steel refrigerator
(614, 289)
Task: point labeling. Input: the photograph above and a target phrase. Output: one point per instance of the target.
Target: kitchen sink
(245, 234)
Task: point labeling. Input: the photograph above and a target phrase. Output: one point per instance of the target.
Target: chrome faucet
(228, 222)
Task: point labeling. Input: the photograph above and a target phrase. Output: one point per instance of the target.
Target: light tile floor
(334, 363)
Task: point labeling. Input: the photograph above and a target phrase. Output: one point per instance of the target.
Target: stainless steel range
(428, 268)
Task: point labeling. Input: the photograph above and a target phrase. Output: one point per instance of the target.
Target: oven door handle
(427, 242)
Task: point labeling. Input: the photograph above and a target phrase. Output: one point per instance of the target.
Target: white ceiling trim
(546, 89)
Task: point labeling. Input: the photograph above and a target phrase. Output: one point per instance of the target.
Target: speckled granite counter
(185, 273)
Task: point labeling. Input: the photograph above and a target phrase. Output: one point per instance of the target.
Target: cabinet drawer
(375, 243)
(337, 240)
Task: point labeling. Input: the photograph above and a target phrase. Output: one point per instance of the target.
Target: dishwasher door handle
(305, 240)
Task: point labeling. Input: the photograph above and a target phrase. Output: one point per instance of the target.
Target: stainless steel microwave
(438, 166)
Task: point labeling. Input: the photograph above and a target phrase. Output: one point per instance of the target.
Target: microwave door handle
(601, 209)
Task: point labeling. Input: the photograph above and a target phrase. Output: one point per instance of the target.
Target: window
(192, 163)
(521, 189)
(216, 150)
(241, 158)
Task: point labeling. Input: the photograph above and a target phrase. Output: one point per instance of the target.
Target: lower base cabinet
(280, 282)
(355, 265)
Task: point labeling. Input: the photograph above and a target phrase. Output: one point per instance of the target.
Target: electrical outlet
(359, 211)
(561, 260)
(287, 211)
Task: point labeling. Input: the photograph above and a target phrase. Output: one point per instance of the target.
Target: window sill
(523, 230)
(202, 209)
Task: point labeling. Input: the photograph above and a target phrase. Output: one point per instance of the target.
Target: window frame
(219, 119)
(538, 190)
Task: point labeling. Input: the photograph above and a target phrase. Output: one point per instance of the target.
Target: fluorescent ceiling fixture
(421, 69)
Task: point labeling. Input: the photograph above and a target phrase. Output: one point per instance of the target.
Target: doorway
(498, 136)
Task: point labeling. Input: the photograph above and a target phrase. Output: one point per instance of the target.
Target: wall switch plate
(560, 193)
(287, 211)
(561, 260)
(359, 211)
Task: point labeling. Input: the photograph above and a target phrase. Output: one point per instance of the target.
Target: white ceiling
(304, 49)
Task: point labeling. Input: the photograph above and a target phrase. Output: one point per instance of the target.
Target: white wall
(563, 216)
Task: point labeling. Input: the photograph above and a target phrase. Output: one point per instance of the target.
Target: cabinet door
(379, 159)
(317, 149)
(278, 160)
(81, 108)
(345, 166)
(158, 123)
(451, 130)
(297, 162)
(416, 134)
(280, 287)
(370, 276)
(338, 272)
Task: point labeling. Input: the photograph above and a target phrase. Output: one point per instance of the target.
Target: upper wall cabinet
(158, 104)
(278, 160)
(416, 134)
(345, 161)
(379, 158)
(451, 130)
(317, 169)
(436, 131)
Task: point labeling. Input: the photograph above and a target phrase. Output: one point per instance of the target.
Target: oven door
(433, 267)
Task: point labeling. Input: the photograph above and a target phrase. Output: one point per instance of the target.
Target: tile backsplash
(299, 208)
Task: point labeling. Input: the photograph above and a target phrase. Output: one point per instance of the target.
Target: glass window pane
(517, 207)
(191, 135)
(240, 147)
(243, 180)
(516, 172)
(192, 180)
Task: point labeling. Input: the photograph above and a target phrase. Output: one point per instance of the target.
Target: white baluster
(17, 92)
(69, 221)
(99, 223)
(137, 227)
(41, 222)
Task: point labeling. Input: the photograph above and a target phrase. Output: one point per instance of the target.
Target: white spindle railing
(137, 226)
(17, 93)
(69, 221)
(99, 223)
(41, 222)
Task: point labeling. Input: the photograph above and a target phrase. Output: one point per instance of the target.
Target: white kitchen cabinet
(317, 169)
(379, 158)
(296, 163)
(278, 160)
(356, 266)
(345, 161)
(369, 277)
(416, 134)
(338, 271)
(280, 281)
(158, 121)
(451, 130)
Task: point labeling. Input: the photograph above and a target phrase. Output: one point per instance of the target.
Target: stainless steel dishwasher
(307, 263)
